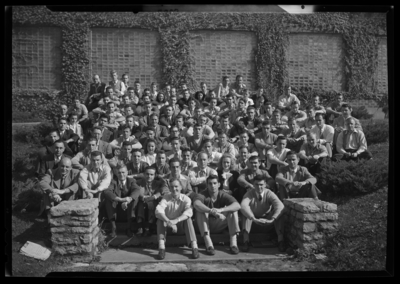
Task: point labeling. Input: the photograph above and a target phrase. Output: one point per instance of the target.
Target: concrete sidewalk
(183, 254)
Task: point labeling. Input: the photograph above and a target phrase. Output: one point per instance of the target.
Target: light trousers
(209, 224)
(184, 227)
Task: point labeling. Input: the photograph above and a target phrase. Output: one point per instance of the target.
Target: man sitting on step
(216, 210)
(263, 208)
(174, 214)
(120, 193)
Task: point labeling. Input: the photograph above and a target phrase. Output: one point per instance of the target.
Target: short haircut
(277, 110)
(110, 103)
(96, 128)
(149, 128)
(121, 165)
(175, 179)
(238, 76)
(174, 160)
(127, 106)
(196, 125)
(242, 100)
(175, 138)
(92, 139)
(178, 117)
(127, 127)
(321, 115)
(59, 141)
(150, 168)
(206, 141)
(291, 153)
(281, 137)
(225, 77)
(54, 131)
(95, 154)
(126, 143)
(268, 104)
(185, 149)
(295, 103)
(258, 178)
(211, 177)
(173, 96)
(129, 116)
(244, 132)
(243, 147)
(136, 150)
(153, 115)
(151, 141)
(104, 115)
(229, 96)
(266, 122)
(220, 132)
(130, 89)
(224, 117)
(62, 118)
(291, 119)
(250, 108)
(109, 87)
(350, 119)
(310, 107)
(252, 158)
(346, 105)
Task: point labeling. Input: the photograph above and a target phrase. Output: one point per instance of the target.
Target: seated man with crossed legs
(174, 214)
(263, 208)
(216, 210)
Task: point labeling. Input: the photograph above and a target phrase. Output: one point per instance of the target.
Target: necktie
(62, 182)
(202, 173)
(321, 136)
(243, 165)
(260, 197)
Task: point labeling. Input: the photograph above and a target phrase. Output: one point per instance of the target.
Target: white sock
(233, 240)
(161, 244)
(194, 245)
(207, 241)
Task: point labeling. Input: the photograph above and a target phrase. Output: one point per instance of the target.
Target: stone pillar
(74, 227)
(309, 222)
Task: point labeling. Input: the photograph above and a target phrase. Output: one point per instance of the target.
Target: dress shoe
(281, 246)
(161, 254)
(139, 231)
(234, 250)
(210, 251)
(195, 253)
(246, 247)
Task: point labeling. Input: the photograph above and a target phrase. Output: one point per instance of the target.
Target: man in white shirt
(297, 114)
(95, 177)
(117, 85)
(212, 110)
(224, 146)
(286, 100)
(223, 88)
(323, 132)
(174, 214)
(351, 144)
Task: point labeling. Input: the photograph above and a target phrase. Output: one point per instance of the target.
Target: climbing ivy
(360, 35)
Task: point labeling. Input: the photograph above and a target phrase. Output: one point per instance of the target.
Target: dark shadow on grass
(36, 232)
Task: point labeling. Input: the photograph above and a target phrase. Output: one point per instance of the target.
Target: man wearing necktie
(51, 161)
(351, 144)
(263, 208)
(59, 184)
(146, 198)
(199, 174)
(295, 181)
(137, 167)
(120, 193)
(323, 132)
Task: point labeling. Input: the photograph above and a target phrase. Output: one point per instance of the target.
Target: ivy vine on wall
(360, 35)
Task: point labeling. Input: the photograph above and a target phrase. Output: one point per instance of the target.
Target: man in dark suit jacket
(120, 192)
(136, 167)
(96, 92)
(146, 199)
(68, 135)
(168, 119)
(295, 181)
(50, 162)
(59, 184)
(161, 132)
(49, 145)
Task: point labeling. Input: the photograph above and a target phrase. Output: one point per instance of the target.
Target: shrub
(353, 178)
(26, 195)
(361, 113)
(35, 134)
(376, 131)
(21, 116)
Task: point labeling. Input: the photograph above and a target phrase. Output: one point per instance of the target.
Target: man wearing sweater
(263, 208)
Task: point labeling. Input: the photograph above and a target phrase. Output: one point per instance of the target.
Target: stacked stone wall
(309, 222)
(74, 227)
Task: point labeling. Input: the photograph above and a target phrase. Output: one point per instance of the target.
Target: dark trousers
(366, 155)
(308, 190)
(313, 168)
(111, 211)
(145, 212)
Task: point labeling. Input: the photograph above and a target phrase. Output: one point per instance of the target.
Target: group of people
(178, 162)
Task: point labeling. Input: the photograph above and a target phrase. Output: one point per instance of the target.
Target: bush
(361, 113)
(33, 135)
(20, 116)
(26, 195)
(353, 178)
(376, 131)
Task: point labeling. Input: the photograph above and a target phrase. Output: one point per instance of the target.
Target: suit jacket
(162, 170)
(133, 170)
(79, 130)
(167, 122)
(47, 163)
(158, 188)
(161, 132)
(166, 145)
(52, 179)
(96, 89)
(127, 190)
(68, 134)
(104, 147)
(302, 174)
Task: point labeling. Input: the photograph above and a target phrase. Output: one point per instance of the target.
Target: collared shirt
(280, 156)
(221, 91)
(309, 122)
(81, 110)
(149, 158)
(246, 177)
(57, 159)
(174, 208)
(324, 134)
(227, 148)
(292, 173)
(198, 176)
(118, 87)
(351, 140)
(300, 117)
(286, 101)
(91, 178)
(340, 121)
(309, 150)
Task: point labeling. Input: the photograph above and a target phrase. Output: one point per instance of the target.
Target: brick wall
(315, 60)
(133, 51)
(382, 74)
(224, 53)
(36, 57)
